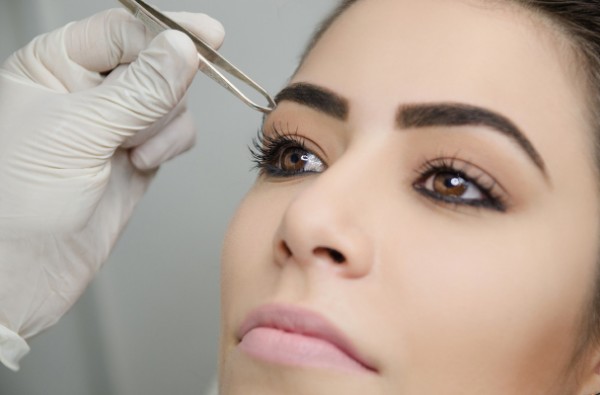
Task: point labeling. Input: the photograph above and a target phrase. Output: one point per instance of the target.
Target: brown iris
(450, 184)
(293, 160)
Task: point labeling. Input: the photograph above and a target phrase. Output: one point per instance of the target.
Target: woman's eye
(458, 183)
(297, 160)
(453, 185)
(285, 156)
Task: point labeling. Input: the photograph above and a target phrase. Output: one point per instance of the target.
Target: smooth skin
(444, 297)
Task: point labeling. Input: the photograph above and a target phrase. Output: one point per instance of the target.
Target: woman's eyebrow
(315, 97)
(458, 114)
(416, 115)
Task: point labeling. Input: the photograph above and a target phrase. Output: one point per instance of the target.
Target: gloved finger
(61, 60)
(176, 138)
(71, 59)
(148, 90)
(103, 41)
(144, 135)
(208, 29)
(123, 37)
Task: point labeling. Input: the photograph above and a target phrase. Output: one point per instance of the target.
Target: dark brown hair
(579, 21)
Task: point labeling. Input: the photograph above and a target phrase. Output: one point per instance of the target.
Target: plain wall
(149, 323)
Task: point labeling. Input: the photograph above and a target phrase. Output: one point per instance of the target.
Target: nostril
(286, 250)
(335, 255)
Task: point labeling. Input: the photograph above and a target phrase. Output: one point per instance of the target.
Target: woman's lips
(297, 337)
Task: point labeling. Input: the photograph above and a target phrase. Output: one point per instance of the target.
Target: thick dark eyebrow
(315, 97)
(458, 114)
(416, 115)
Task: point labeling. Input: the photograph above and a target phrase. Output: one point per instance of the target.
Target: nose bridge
(326, 223)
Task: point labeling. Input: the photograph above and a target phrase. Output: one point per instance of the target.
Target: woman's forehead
(437, 38)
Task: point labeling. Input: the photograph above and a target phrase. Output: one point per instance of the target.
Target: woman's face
(426, 217)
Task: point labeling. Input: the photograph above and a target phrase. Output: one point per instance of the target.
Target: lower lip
(277, 346)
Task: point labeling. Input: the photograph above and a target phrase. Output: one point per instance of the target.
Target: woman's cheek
(248, 268)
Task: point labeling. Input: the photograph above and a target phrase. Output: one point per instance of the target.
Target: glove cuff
(12, 348)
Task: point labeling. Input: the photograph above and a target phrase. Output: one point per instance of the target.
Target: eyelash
(492, 198)
(267, 151)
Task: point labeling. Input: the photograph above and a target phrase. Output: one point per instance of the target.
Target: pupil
(295, 158)
(450, 184)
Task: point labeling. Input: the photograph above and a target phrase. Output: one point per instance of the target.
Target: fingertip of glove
(181, 51)
(179, 42)
(210, 30)
(140, 162)
(214, 31)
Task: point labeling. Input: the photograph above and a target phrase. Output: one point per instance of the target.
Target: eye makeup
(449, 180)
(282, 155)
(280, 151)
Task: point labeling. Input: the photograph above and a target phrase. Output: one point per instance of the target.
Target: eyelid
(273, 129)
(457, 164)
(268, 151)
(491, 186)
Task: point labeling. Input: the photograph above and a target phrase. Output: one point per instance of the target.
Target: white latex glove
(67, 185)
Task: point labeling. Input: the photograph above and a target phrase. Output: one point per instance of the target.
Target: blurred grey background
(149, 323)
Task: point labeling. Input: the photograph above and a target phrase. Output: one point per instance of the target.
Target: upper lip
(301, 321)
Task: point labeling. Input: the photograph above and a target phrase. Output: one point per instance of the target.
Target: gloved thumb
(147, 91)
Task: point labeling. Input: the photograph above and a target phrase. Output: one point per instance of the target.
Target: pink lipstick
(297, 337)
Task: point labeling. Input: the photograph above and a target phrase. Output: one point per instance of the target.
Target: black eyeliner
(448, 165)
(266, 152)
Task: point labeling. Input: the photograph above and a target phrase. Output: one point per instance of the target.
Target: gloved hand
(67, 184)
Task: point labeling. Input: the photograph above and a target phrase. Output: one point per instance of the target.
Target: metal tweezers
(210, 59)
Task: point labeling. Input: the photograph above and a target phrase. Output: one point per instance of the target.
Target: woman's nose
(322, 226)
